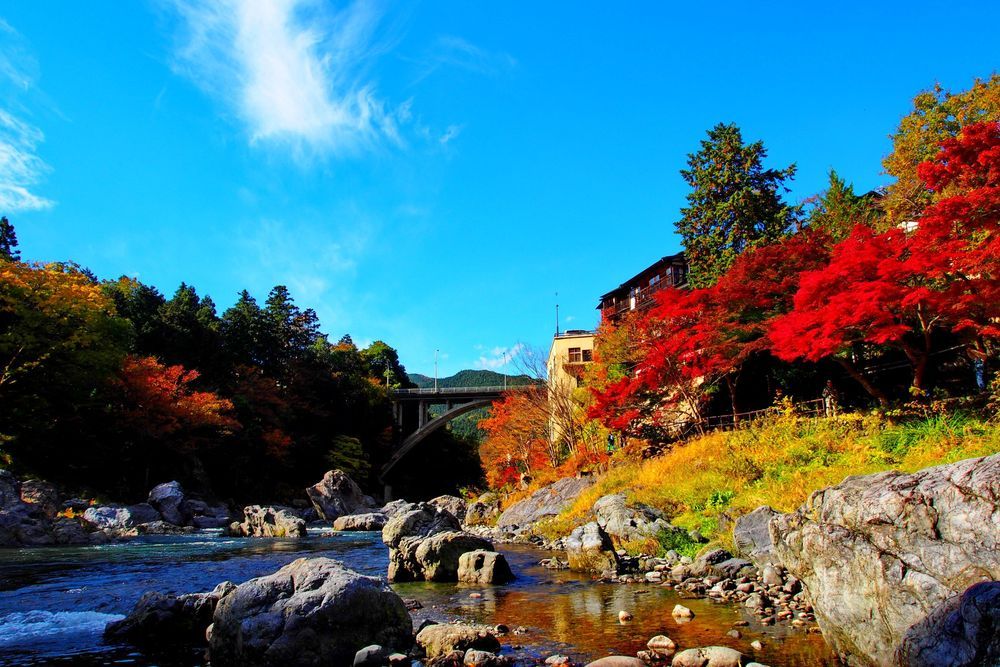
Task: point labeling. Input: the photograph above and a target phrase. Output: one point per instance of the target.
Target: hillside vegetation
(778, 461)
(471, 378)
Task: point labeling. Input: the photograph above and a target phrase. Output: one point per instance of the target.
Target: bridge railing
(431, 391)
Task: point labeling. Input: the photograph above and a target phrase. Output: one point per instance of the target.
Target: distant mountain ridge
(471, 378)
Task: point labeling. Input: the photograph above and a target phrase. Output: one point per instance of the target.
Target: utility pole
(505, 370)
(435, 371)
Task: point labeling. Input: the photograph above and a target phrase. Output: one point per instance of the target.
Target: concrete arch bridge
(413, 421)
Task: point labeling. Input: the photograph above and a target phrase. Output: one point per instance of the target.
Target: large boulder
(206, 515)
(544, 503)
(361, 522)
(336, 495)
(441, 639)
(168, 500)
(589, 549)
(159, 618)
(878, 554)
(453, 504)
(261, 521)
(628, 521)
(484, 567)
(119, 518)
(22, 523)
(426, 544)
(41, 494)
(962, 632)
(312, 612)
(394, 508)
(753, 537)
(483, 510)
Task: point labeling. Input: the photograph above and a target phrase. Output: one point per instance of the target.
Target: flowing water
(55, 602)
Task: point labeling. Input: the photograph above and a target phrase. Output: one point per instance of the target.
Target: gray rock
(752, 537)
(394, 508)
(206, 515)
(336, 495)
(268, 522)
(118, 518)
(962, 632)
(484, 567)
(372, 656)
(453, 504)
(42, 495)
(877, 554)
(547, 501)
(707, 562)
(443, 638)
(476, 658)
(312, 612)
(167, 619)
(168, 500)
(733, 568)
(708, 656)
(361, 522)
(617, 661)
(162, 528)
(483, 511)
(589, 549)
(426, 543)
(21, 523)
(626, 521)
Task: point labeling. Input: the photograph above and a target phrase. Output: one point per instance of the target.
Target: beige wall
(559, 357)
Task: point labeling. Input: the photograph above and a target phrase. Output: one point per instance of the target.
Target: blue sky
(431, 174)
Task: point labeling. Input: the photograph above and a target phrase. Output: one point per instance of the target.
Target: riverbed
(55, 602)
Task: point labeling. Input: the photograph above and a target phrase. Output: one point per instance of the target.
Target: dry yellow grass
(779, 462)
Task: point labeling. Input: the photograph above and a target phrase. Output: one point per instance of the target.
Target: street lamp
(435, 371)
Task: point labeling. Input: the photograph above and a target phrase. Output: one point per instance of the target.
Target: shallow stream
(55, 602)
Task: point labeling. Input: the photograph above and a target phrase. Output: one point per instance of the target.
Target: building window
(654, 281)
(588, 355)
(575, 356)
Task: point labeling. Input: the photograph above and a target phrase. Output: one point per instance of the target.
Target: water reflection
(70, 588)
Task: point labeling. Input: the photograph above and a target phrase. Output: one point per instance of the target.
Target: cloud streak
(21, 169)
(292, 71)
(498, 357)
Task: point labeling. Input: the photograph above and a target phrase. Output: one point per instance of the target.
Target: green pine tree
(734, 203)
(8, 241)
(838, 210)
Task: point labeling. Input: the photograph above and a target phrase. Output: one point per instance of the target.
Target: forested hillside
(110, 387)
(471, 378)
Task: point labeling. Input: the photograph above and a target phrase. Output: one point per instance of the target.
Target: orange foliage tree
(517, 438)
(164, 413)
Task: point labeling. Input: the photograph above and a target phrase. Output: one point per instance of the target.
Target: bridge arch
(426, 429)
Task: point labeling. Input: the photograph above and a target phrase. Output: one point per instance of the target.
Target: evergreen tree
(734, 203)
(8, 241)
(243, 330)
(838, 210)
(292, 331)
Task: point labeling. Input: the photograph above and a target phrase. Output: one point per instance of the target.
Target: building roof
(663, 261)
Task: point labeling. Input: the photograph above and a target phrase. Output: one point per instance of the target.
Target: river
(55, 602)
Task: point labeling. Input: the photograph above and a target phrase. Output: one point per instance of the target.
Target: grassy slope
(778, 462)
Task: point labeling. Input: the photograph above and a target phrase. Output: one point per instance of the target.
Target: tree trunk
(731, 385)
(872, 390)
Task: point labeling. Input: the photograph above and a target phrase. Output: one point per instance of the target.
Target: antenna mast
(557, 313)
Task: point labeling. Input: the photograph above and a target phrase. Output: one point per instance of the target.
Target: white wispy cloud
(21, 169)
(293, 71)
(311, 260)
(498, 357)
(453, 51)
(450, 133)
